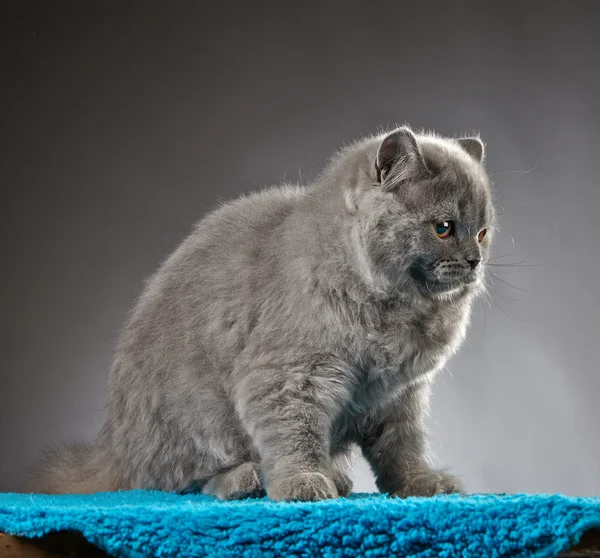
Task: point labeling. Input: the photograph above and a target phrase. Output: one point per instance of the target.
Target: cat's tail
(75, 469)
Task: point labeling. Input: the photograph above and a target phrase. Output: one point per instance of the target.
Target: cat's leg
(393, 441)
(341, 467)
(243, 481)
(288, 416)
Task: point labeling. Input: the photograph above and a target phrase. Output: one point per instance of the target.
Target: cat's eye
(481, 234)
(444, 228)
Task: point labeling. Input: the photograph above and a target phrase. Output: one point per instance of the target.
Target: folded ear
(398, 151)
(474, 147)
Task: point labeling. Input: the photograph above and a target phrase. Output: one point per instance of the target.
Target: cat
(294, 324)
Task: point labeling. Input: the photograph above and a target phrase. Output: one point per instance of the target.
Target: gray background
(124, 122)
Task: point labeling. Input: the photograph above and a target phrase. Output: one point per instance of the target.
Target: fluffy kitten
(294, 323)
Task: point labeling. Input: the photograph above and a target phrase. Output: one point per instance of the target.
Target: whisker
(531, 190)
(514, 317)
(483, 330)
(507, 283)
(519, 172)
(427, 285)
(506, 297)
(544, 214)
(514, 264)
(508, 263)
(503, 256)
(486, 295)
(530, 171)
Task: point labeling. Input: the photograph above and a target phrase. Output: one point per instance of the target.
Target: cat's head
(424, 214)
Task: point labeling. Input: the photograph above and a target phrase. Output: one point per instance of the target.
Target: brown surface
(73, 545)
(588, 546)
(54, 545)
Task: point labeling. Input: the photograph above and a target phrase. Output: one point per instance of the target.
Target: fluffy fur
(293, 324)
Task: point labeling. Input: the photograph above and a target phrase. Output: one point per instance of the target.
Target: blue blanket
(144, 523)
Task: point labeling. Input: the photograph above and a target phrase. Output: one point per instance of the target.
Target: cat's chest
(405, 345)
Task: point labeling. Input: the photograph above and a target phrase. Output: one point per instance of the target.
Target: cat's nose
(473, 263)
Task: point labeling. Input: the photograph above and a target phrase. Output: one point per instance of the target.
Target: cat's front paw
(306, 487)
(428, 483)
(243, 481)
(343, 483)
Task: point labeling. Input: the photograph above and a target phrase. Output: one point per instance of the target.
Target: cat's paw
(429, 483)
(306, 487)
(243, 481)
(343, 483)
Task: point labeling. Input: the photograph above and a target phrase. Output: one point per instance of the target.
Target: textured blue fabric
(145, 523)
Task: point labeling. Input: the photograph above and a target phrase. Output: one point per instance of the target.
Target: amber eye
(481, 235)
(444, 228)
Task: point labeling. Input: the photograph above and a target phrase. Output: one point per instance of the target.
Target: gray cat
(294, 324)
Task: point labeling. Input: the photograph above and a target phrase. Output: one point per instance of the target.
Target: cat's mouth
(466, 281)
(432, 283)
(437, 286)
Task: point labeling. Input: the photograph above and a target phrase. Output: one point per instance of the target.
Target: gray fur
(293, 324)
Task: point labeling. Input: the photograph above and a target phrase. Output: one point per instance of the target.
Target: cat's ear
(474, 147)
(400, 151)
